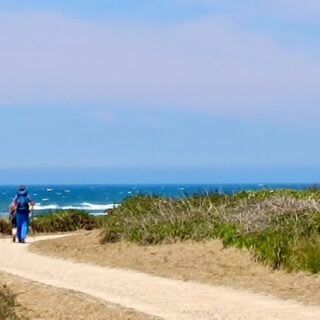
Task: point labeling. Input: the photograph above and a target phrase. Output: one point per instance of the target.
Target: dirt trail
(165, 298)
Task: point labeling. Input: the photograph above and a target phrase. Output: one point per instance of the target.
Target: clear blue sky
(159, 91)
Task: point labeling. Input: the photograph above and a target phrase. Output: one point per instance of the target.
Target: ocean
(95, 199)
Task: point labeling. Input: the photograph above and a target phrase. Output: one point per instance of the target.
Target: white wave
(45, 199)
(83, 206)
(38, 207)
(98, 213)
(67, 191)
(48, 189)
(71, 208)
(91, 206)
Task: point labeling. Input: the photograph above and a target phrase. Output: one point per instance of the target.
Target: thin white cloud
(211, 65)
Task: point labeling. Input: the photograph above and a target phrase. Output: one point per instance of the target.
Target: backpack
(22, 203)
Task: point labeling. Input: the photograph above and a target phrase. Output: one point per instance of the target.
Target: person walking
(22, 203)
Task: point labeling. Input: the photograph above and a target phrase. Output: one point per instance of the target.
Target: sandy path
(165, 298)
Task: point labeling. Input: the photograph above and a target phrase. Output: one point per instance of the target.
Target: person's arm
(30, 201)
(11, 209)
(14, 201)
(30, 204)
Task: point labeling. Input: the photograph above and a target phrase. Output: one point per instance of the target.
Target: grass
(8, 304)
(58, 221)
(5, 227)
(280, 228)
(64, 221)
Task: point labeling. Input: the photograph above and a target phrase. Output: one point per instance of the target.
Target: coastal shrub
(58, 221)
(280, 228)
(307, 254)
(62, 221)
(287, 240)
(272, 226)
(151, 220)
(308, 193)
(5, 226)
(8, 304)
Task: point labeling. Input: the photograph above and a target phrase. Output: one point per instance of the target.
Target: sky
(192, 91)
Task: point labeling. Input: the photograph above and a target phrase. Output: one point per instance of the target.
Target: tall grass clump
(5, 226)
(58, 221)
(8, 304)
(63, 221)
(150, 220)
(280, 227)
(146, 219)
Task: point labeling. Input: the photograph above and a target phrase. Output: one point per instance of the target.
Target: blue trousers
(22, 225)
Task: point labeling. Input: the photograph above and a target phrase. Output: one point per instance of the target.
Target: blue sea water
(97, 198)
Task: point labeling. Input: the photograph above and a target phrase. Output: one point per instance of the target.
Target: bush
(308, 254)
(62, 221)
(152, 220)
(58, 221)
(281, 228)
(5, 226)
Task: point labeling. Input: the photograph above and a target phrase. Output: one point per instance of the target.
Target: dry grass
(37, 301)
(256, 214)
(206, 262)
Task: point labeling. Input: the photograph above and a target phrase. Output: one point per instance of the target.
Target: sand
(156, 296)
(205, 261)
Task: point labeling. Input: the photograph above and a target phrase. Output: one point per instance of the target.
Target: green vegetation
(58, 221)
(5, 226)
(280, 227)
(64, 220)
(8, 304)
